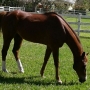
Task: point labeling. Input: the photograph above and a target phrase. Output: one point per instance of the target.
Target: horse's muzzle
(82, 80)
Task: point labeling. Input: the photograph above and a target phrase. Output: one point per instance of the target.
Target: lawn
(32, 55)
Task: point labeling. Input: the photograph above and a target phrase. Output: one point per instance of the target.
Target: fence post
(79, 23)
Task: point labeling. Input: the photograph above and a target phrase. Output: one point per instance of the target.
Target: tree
(62, 6)
(34, 3)
(82, 4)
(31, 4)
(13, 3)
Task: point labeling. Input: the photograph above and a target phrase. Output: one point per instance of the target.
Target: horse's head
(80, 67)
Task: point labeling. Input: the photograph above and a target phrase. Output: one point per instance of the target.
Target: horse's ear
(83, 54)
(87, 53)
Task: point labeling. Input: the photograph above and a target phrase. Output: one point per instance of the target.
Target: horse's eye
(83, 68)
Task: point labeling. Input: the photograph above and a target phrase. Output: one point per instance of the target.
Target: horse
(49, 29)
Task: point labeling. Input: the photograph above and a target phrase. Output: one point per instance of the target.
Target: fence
(8, 8)
(78, 23)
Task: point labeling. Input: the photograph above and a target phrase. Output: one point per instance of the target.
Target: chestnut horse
(49, 29)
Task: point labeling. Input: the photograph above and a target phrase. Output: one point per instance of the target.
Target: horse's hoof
(5, 70)
(59, 82)
(21, 71)
(43, 76)
(41, 73)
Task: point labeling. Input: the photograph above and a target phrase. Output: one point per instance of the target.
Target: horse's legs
(17, 45)
(6, 43)
(56, 63)
(47, 55)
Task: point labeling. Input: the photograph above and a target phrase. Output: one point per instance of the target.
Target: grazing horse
(49, 29)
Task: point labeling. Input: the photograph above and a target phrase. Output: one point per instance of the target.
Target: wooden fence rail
(78, 23)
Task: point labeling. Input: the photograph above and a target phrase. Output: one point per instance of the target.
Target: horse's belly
(43, 36)
(36, 37)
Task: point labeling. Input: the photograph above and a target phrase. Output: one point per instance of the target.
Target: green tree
(12, 3)
(34, 3)
(82, 4)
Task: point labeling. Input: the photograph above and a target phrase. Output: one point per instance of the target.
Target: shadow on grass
(32, 80)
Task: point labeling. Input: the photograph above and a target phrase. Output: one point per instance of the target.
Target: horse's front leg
(17, 45)
(56, 63)
(47, 55)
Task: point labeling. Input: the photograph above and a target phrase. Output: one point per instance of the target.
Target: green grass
(32, 56)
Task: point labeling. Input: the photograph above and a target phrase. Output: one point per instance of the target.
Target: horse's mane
(69, 27)
(48, 13)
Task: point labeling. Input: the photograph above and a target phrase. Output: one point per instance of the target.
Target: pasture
(31, 56)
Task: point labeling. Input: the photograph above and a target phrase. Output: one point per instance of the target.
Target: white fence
(8, 8)
(78, 23)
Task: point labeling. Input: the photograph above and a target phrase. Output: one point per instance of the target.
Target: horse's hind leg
(6, 44)
(47, 55)
(17, 45)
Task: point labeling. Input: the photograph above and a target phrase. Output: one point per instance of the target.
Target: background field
(32, 56)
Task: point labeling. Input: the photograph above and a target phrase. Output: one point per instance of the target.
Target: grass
(32, 56)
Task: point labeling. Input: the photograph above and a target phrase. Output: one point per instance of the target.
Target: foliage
(82, 5)
(61, 7)
(10, 3)
(29, 7)
(78, 7)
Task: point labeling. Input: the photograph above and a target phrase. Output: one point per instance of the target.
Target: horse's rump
(2, 15)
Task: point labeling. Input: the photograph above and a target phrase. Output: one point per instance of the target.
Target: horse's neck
(74, 44)
(72, 39)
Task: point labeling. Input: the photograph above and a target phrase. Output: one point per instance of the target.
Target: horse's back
(40, 28)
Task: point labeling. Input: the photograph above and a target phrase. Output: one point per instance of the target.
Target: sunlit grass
(32, 56)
